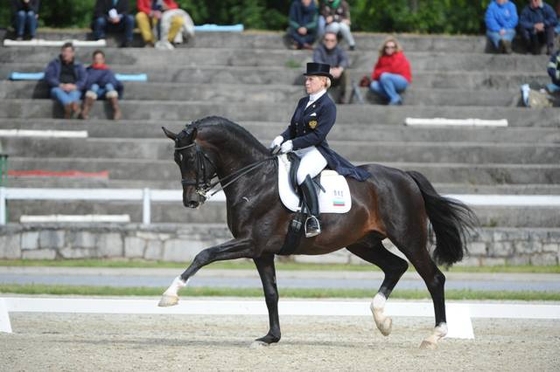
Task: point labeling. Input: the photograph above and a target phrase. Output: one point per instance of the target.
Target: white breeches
(312, 163)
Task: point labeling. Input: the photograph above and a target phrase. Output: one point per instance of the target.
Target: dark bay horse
(391, 204)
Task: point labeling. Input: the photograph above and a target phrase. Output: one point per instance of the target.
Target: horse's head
(197, 169)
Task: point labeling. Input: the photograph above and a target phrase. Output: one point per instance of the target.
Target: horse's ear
(169, 134)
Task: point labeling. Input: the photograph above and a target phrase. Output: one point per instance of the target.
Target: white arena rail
(146, 196)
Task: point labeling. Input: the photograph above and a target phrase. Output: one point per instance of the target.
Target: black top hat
(318, 69)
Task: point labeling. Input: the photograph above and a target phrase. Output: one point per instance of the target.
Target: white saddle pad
(335, 199)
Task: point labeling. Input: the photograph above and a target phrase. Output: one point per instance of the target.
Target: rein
(201, 168)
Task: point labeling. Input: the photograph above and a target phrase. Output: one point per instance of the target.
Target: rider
(306, 136)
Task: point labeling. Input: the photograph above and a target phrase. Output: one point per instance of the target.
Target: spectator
(149, 17)
(501, 21)
(101, 83)
(26, 14)
(328, 52)
(537, 22)
(303, 23)
(67, 78)
(553, 69)
(391, 74)
(113, 15)
(170, 35)
(335, 17)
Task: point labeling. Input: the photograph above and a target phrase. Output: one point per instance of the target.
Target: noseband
(202, 183)
(203, 180)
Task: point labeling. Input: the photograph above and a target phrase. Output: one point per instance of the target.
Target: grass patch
(248, 265)
(40, 289)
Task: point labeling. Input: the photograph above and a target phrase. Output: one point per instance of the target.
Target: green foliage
(417, 16)
(66, 13)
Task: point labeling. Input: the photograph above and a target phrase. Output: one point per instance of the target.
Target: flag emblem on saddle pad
(338, 203)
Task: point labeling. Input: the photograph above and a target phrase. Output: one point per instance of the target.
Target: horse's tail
(451, 220)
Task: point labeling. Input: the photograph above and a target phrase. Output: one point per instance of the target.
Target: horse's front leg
(267, 272)
(235, 248)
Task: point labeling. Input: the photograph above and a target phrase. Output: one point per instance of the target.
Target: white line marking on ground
(459, 313)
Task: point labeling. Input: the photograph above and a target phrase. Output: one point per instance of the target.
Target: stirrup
(313, 232)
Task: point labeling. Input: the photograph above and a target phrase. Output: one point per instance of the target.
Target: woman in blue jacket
(501, 21)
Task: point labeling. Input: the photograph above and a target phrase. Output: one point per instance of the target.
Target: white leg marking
(431, 341)
(171, 297)
(383, 323)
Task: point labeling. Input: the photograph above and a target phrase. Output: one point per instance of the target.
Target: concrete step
(165, 111)
(264, 58)
(363, 151)
(216, 212)
(252, 93)
(266, 131)
(510, 79)
(251, 39)
(457, 173)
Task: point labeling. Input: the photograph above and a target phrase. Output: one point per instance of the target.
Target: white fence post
(2, 205)
(146, 210)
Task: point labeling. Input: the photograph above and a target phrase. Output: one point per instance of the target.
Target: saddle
(333, 194)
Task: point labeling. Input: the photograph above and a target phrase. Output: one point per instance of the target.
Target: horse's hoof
(257, 344)
(167, 300)
(386, 327)
(428, 345)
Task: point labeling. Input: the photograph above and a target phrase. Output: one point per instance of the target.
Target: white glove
(277, 142)
(275, 145)
(286, 147)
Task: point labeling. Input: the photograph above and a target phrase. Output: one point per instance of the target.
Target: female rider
(306, 135)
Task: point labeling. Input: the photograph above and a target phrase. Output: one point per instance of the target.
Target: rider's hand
(275, 145)
(286, 147)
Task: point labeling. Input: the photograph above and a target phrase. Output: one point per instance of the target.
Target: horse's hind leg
(393, 267)
(419, 257)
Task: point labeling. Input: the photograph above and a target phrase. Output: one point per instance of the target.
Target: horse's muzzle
(193, 201)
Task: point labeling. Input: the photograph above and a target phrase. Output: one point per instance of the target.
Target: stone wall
(180, 243)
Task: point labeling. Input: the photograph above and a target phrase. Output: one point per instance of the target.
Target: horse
(391, 204)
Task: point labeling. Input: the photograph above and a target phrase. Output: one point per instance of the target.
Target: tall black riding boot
(312, 226)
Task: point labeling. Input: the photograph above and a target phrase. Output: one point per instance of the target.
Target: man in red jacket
(391, 74)
(149, 15)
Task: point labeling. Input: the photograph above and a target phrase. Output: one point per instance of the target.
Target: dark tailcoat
(310, 126)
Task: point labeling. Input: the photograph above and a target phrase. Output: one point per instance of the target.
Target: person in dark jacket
(306, 135)
(553, 69)
(112, 15)
(26, 13)
(330, 53)
(303, 23)
(67, 78)
(537, 22)
(101, 83)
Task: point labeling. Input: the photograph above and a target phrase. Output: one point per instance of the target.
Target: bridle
(203, 181)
